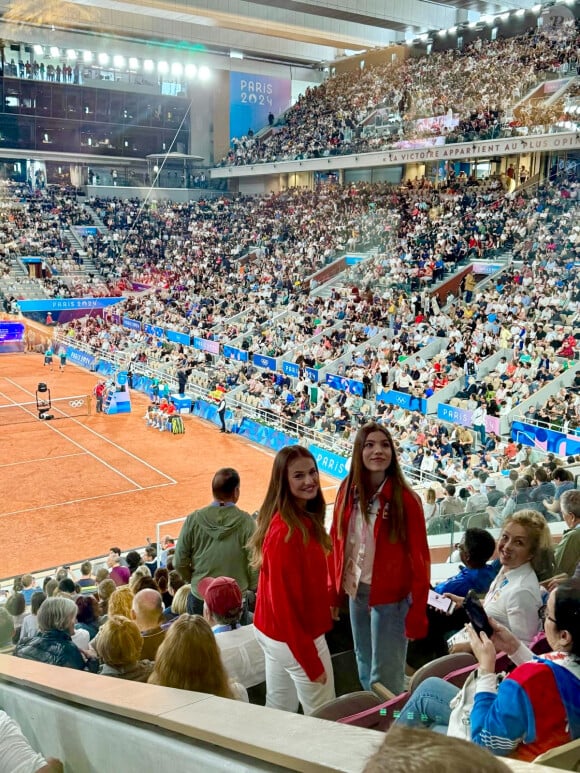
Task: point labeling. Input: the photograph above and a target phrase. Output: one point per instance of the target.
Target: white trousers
(286, 681)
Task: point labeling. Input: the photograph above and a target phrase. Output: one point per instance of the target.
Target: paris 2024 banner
(253, 98)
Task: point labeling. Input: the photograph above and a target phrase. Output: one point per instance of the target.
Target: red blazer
(293, 603)
(399, 569)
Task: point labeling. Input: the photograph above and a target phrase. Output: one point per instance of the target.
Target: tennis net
(60, 408)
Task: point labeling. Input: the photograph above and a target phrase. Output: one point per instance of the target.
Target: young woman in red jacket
(290, 547)
(380, 559)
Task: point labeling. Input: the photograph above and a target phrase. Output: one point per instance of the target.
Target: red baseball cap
(221, 594)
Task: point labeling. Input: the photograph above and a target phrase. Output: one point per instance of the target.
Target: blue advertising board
(403, 400)
(253, 98)
(455, 415)
(291, 369)
(344, 384)
(312, 374)
(265, 436)
(177, 338)
(329, 462)
(263, 361)
(66, 304)
(154, 330)
(132, 324)
(232, 353)
(83, 359)
(547, 440)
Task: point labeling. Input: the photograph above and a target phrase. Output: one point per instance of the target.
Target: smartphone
(442, 603)
(477, 614)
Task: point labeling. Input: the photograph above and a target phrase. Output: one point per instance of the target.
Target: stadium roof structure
(298, 32)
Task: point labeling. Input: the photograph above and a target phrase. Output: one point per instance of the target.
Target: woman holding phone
(513, 598)
(380, 559)
(536, 707)
(290, 547)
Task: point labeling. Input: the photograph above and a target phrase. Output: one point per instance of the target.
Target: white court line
(102, 437)
(74, 442)
(42, 459)
(83, 499)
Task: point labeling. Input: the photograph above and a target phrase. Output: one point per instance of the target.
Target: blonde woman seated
(514, 597)
(189, 659)
(120, 604)
(178, 606)
(119, 646)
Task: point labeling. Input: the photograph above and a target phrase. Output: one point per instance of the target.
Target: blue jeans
(428, 706)
(380, 643)
(480, 430)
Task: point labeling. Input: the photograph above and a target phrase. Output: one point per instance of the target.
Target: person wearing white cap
(478, 500)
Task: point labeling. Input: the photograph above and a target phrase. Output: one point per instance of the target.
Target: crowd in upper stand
(530, 311)
(482, 83)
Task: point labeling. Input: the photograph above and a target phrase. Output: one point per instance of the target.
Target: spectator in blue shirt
(475, 550)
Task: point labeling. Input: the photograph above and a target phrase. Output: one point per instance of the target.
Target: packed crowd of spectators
(482, 83)
(38, 224)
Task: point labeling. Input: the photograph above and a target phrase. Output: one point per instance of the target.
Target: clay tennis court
(72, 487)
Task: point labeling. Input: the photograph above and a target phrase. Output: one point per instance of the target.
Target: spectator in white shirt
(16, 754)
(478, 500)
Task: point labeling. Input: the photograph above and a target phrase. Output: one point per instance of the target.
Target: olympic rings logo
(76, 403)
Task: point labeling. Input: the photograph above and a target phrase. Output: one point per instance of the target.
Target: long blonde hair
(279, 500)
(189, 658)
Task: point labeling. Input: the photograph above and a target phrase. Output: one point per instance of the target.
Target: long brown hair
(358, 481)
(279, 500)
(189, 658)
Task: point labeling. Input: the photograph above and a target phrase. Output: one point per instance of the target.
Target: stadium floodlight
(204, 73)
(38, 49)
(505, 16)
(54, 52)
(103, 58)
(521, 12)
(133, 63)
(148, 65)
(190, 71)
(87, 56)
(71, 53)
(163, 67)
(177, 69)
(118, 61)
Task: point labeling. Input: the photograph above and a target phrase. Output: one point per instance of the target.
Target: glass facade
(70, 117)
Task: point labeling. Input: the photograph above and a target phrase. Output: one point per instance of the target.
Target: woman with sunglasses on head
(380, 559)
(290, 546)
(536, 707)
